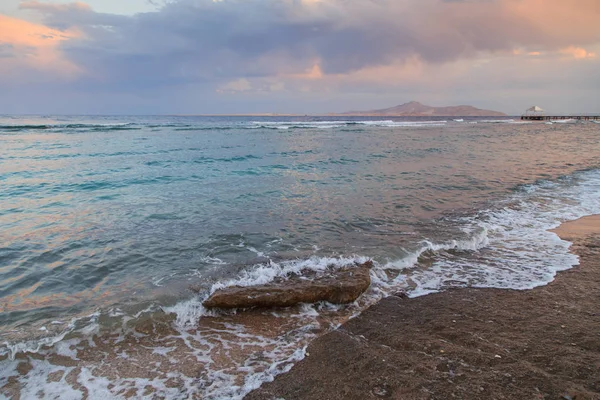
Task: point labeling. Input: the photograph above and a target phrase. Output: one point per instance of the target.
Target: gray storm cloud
(301, 55)
(201, 40)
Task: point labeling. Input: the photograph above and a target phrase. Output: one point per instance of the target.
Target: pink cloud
(34, 46)
(577, 52)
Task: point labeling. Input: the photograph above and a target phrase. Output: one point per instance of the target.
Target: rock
(338, 287)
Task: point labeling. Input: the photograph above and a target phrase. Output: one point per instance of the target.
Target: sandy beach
(466, 344)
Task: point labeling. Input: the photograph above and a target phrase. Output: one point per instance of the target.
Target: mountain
(416, 109)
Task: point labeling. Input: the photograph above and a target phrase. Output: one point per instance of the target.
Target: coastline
(466, 343)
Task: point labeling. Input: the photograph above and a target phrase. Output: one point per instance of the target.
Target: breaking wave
(344, 123)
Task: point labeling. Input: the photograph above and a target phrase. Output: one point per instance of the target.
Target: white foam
(497, 121)
(265, 273)
(66, 348)
(258, 253)
(115, 312)
(32, 346)
(521, 253)
(86, 325)
(342, 123)
(254, 381)
(300, 124)
(392, 124)
(157, 281)
(212, 260)
(284, 123)
(188, 312)
(163, 351)
(474, 243)
(36, 382)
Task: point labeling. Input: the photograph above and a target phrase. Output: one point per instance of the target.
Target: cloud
(26, 47)
(578, 52)
(240, 85)
(205, 38)
(241, 46)
(312, 73)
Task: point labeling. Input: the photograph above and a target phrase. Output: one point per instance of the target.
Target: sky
(297, 56)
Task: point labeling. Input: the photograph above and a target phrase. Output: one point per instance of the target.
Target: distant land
(416, 109)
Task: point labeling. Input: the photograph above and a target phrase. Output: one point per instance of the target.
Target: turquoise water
(99, 214)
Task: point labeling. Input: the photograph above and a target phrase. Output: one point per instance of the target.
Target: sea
(114, 229)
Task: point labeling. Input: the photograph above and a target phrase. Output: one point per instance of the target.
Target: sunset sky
(297, 56)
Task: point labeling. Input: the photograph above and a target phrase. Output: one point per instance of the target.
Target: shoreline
(466, 343)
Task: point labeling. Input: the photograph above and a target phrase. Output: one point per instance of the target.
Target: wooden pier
(560, 117)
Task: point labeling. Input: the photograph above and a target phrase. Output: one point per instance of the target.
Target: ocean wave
(521, 252)
(86, 324)
(507, 245)
(225, 126)
(565, 121)
(70, 127)
(475, 242)
(16, 128)
(495, 121)
(189, 312)
(204, 128)
(390, 123)
(343, 123)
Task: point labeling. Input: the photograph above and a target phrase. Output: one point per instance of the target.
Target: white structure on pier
(535, 111)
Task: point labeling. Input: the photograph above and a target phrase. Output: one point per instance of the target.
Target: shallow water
(107, 221)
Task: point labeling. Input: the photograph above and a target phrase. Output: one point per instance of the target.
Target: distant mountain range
(416, 109)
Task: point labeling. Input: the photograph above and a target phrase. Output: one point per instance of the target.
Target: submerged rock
(339, 287)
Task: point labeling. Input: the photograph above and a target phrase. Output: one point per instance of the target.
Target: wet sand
(466, 343)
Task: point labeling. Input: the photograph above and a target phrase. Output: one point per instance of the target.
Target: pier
(560, 117)
(536, 113)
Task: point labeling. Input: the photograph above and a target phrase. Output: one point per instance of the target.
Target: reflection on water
(114, 208)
